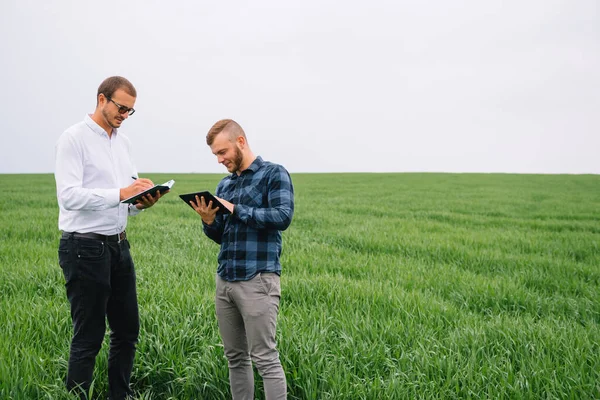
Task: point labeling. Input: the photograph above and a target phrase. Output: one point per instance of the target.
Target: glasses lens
(122, 109)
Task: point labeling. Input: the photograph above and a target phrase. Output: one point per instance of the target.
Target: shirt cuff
(111, 196)
(242, 212)
(133, 210)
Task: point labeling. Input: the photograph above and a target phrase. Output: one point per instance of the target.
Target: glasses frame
(122, 109)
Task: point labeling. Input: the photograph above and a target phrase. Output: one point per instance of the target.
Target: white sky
(318, 86)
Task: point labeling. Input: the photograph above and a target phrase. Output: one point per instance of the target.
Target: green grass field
(394, 286)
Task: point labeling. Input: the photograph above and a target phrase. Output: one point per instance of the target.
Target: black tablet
(208, 197)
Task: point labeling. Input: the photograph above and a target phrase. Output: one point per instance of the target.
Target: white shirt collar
(95, 127)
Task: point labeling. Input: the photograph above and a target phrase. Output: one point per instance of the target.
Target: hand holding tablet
(208, 197)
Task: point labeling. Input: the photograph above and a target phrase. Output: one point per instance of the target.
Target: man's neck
(248, 160)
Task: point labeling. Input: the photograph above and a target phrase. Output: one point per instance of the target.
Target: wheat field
(394, 286)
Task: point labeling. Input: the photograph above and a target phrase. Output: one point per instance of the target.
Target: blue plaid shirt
(250, 238)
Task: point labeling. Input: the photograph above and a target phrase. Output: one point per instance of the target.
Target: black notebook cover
(152, 192)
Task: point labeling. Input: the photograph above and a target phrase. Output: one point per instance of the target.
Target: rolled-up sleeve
(278, 215)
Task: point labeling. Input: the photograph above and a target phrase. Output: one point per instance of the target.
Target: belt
(119, 237)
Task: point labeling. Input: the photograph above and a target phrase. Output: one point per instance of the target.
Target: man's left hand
(148, 201)
(227, 204)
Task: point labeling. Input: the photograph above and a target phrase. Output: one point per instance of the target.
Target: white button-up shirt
(91, 167)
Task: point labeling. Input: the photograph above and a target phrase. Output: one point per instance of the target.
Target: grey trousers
(247, 316)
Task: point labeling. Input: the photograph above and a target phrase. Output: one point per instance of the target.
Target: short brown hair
(110, 85)
(227, 125)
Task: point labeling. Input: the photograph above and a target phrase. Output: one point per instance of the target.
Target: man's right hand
(138, 186)
(205, 210)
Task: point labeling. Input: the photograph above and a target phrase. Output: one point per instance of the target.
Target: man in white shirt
(94, 173)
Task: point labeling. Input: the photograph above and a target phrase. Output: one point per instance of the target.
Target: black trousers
(100, 283)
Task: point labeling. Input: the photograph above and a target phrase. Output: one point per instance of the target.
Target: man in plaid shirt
(260, 198)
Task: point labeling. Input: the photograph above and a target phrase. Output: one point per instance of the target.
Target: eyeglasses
(122, 108)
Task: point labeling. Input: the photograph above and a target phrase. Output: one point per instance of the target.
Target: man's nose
(220, 159)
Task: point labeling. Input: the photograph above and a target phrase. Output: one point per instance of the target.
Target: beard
(113, 121)
(237, 161)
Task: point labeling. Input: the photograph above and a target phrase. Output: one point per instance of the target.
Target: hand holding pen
(138, 186)
(148, 200)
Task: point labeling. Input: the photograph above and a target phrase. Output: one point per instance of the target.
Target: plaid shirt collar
(255, 166)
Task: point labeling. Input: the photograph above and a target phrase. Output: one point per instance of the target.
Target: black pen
(134, 178)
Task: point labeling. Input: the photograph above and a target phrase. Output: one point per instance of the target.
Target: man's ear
(241, 141)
